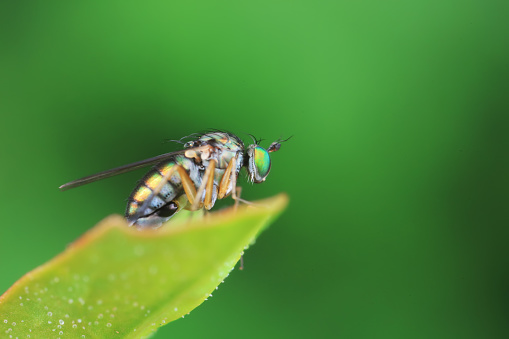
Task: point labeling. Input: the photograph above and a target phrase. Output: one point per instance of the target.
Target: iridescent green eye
(262, 161)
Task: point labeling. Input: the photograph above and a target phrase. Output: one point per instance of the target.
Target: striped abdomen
(170, 199)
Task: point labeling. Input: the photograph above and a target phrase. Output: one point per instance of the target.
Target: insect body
(193, 178)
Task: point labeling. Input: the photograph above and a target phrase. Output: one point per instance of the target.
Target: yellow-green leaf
(116, 281)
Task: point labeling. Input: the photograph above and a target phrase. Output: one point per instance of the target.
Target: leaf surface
(116, 281)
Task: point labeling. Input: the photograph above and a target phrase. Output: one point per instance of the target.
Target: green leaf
(116, 281)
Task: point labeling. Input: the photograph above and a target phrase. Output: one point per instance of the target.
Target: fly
(193, 178)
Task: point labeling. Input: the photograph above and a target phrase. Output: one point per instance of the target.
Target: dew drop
(70, 301)
(74, 326)
(61, 332)
(108, 324)
(176, 309)
(50, 314)
(79, 320)
(13, 324)
(100, 316)
(61, 322)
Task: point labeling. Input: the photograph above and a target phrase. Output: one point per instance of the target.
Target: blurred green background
(397, 171)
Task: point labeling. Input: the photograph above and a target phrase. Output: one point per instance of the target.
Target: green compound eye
(261, 163)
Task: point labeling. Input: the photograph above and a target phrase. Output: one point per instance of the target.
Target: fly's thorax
(222, 140)
(220, 146)
(224, 157)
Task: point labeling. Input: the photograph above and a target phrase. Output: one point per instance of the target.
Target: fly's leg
(225, 180)
(233, 179)
(210, 187)
(208, 184)
(236, 196)
(230, 176)
(236, 192)
(187, 183)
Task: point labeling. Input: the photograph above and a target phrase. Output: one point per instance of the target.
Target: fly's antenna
(276, 145)
(280, 140)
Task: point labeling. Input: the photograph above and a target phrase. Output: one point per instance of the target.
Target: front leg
(230, 179)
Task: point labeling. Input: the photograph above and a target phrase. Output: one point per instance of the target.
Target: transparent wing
(123, 169)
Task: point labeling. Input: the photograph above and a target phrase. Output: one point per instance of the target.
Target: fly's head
(258, 160)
